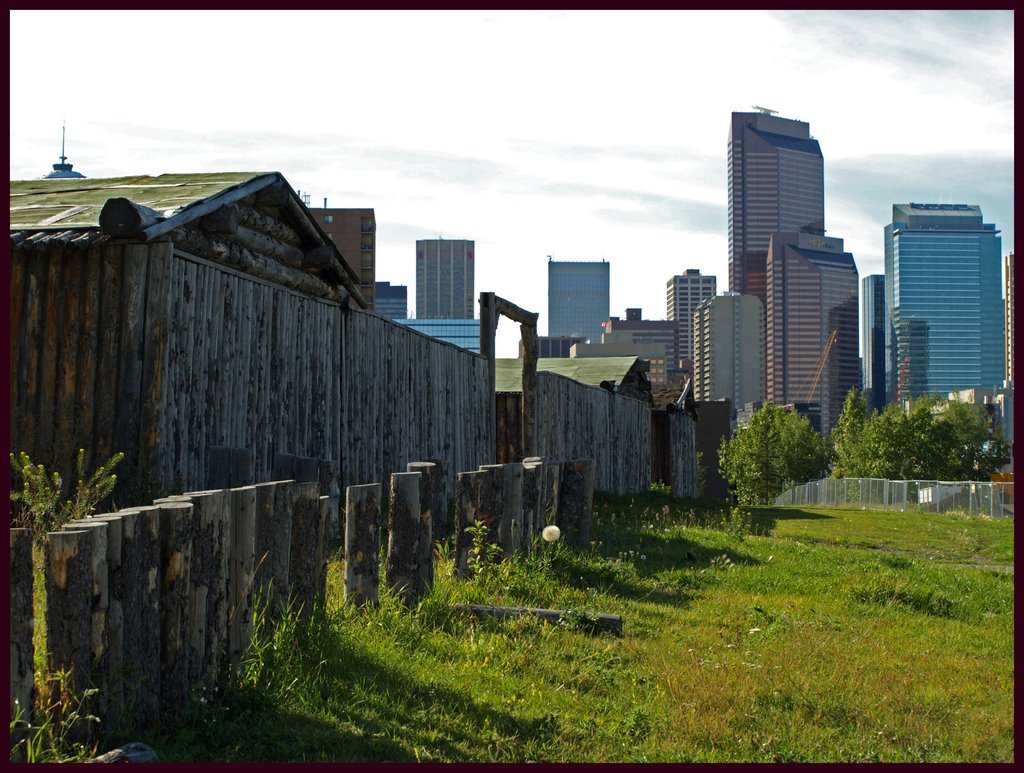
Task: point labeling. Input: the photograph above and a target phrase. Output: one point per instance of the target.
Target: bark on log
(593, 622)
(362, 544)
(140, 560)
(405, 534)
(307, 551)
(533, 473)
(247, 261)
(468, 496)
(267, 225)
(431, 498)
(267, 245)
(115, 695)
(121, 217)
(175, 565)
(243, 563)
(576, 501)
(69, 591)
(222, 221)
(22, 647)
(99, 614)
(504, 494)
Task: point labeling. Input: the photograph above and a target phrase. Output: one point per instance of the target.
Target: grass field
(763, 635)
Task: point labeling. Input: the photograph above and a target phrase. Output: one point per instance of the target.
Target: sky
(580, 135)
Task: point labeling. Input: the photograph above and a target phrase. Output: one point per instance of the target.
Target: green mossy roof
(63, 204)
(508, 373)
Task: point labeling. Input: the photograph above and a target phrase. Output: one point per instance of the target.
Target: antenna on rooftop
(765, 110)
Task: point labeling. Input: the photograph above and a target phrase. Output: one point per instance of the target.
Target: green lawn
(779, 635)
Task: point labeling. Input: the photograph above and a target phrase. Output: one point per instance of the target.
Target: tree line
(935, 440)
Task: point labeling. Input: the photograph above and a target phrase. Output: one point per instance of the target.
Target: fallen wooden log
(585, 620)
(135, 751)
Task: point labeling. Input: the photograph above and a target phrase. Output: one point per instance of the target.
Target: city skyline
(572, 154)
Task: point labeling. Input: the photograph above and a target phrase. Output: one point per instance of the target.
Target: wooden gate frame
(491, 306)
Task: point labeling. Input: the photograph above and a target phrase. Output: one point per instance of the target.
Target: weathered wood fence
(177, 361)
(673, 451)
(576, 421)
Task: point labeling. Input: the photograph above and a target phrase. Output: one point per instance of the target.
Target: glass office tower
(872, 330)
(944, 321)
(578, 298)
(776, 183)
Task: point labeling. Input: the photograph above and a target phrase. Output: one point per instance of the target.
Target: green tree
(848, 437)
(970, 449)
(775, 450)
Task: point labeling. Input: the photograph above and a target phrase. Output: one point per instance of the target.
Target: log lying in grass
(598, 622)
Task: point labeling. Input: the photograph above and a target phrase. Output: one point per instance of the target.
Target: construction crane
(902, 381)
(821, 365)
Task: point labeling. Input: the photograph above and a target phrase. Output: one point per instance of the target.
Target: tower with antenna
(63, 169)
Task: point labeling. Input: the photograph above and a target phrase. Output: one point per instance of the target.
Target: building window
(328, 219)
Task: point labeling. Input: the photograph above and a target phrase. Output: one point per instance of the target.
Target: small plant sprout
(551, 533)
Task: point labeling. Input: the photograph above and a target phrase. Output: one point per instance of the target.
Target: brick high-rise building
(354, 231)
(776, 183)
(812, 297)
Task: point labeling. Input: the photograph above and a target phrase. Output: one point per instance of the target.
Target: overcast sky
(583, 135)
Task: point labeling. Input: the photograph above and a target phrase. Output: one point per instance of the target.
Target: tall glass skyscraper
(578, 298)
(776, 183)
(944, 321)
(873, 344)
(444, 279)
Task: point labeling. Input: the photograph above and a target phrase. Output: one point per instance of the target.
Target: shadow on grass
(364, 708)
(765, 519)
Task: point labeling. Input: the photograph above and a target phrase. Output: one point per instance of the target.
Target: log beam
(593, 622)
(124, 218)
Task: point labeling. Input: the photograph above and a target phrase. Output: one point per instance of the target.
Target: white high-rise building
(685, 293)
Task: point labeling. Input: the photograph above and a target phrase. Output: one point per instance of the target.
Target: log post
(503, 496)
(329, 487)
(213, 514)
(175, 565)
(263, 581)
(140, 567)
(468, 494)
(100, 607)
(533, 472)
(69, 592)
(362, 544)
(491, 502)
(22, 647)
(243, 564)
(576, 501)
(307, 545)
(431, 502)
(551, 485)
(115, 617)
(405, 532)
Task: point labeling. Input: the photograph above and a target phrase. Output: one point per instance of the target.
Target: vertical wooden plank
(153, 438)
(31, 346)
(114, 631)
(53, 318)
(66, 440)
(243, 561)
(16, 351)
(109, 347)
(130, 346)
(175, 566)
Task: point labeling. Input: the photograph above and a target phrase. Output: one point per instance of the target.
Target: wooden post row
(468, 495)
(307, 548)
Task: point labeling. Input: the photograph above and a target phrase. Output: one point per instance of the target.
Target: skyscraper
(944, 311)
(811, 326)
(873, 345)
(444, 279)
(578, 298)
(1008, 316)
(391, 301)
(684, 294)
(728, 349)
(776, 183)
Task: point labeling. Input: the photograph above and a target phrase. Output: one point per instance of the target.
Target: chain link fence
(932, 496)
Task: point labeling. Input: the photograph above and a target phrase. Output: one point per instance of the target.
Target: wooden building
(190, 319)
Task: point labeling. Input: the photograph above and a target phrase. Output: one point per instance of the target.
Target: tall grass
(749, 635)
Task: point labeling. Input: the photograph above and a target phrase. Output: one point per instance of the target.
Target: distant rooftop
(586, 370)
